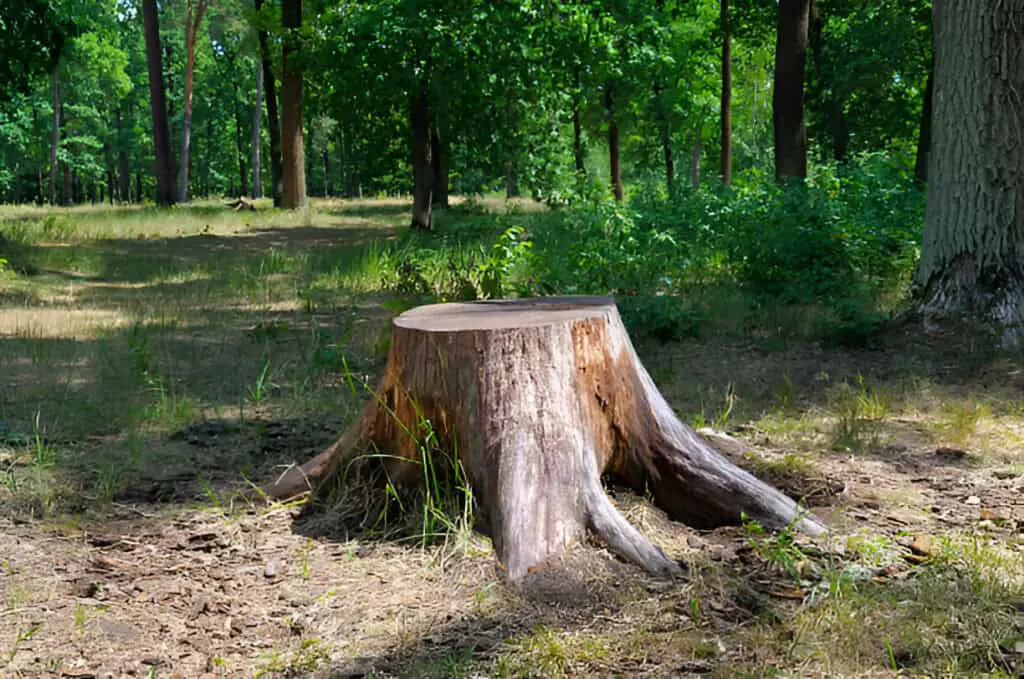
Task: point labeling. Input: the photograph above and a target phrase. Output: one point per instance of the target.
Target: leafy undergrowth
(147, 380)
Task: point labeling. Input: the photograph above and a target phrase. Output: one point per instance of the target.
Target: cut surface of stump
(539, 398)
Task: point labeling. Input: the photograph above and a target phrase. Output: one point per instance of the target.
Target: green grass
(125, 332)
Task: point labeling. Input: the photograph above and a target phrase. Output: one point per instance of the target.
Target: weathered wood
(540, 397)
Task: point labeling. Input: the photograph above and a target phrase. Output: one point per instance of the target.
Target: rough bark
(614, 159)
(972, 255)
(924, 137)
(422, 172)
(54, 132)
(293, 157)
(439, 157)
(273, 123)
(194, 12)
(788, 99)
(478, 373)
(725, 165)
(158, 104)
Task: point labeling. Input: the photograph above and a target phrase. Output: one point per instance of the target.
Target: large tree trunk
(479, 372)
(293, 156)
(924, 138)
(54, 132)
(422, 172)
(788, 99)
(972, 256)
(193, 20)
(257, 110)
(725, 167)
(273, 124)
(614, 159)
(158, 103)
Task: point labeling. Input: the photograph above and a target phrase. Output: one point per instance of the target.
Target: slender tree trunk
(666, 139)
(972, 255)
(422, 172)
(698, 148)
(193, 20)
(257, 111)
(327, 172)
(158, 102)
(577, 127)
(209, 156)
(439, 166)
(511, 148)
(69, 187)
(123, 171)
(273, 122)
(54, 132)
(924, 138)
(613, 141)
(833, 97)
(293, 159)
(240, 147)
(726, 113)
(788, 99)
(138, 186)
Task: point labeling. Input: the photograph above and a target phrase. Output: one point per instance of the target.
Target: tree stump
(540, 397)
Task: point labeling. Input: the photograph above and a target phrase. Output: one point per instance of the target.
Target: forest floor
(154, 363)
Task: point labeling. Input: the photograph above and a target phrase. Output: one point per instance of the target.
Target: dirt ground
(911, 450)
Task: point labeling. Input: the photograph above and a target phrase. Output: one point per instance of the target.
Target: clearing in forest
(154, 364)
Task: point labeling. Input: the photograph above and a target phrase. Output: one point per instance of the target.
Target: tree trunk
(511, 182)
(577, 127)
(293, 157)
(69, 185)
(240, 147)
(273, 123)
(439, 166)
(788, 99)
(257, 110)
(422, 172)
(193, 20)
(477, 373)
(924, 138)
(972, 255)
(158, 103)
(138, 186)
(54, 133)
(698, 148)
(614, 160)
(832, 95)
(666, 139)
(123, 170)
(725, 167)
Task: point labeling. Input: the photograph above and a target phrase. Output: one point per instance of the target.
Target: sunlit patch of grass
(858, 412)
(954, 616)
(959, 421)
(547, 652)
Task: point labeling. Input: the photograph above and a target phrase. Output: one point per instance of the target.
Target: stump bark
(540, 398)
